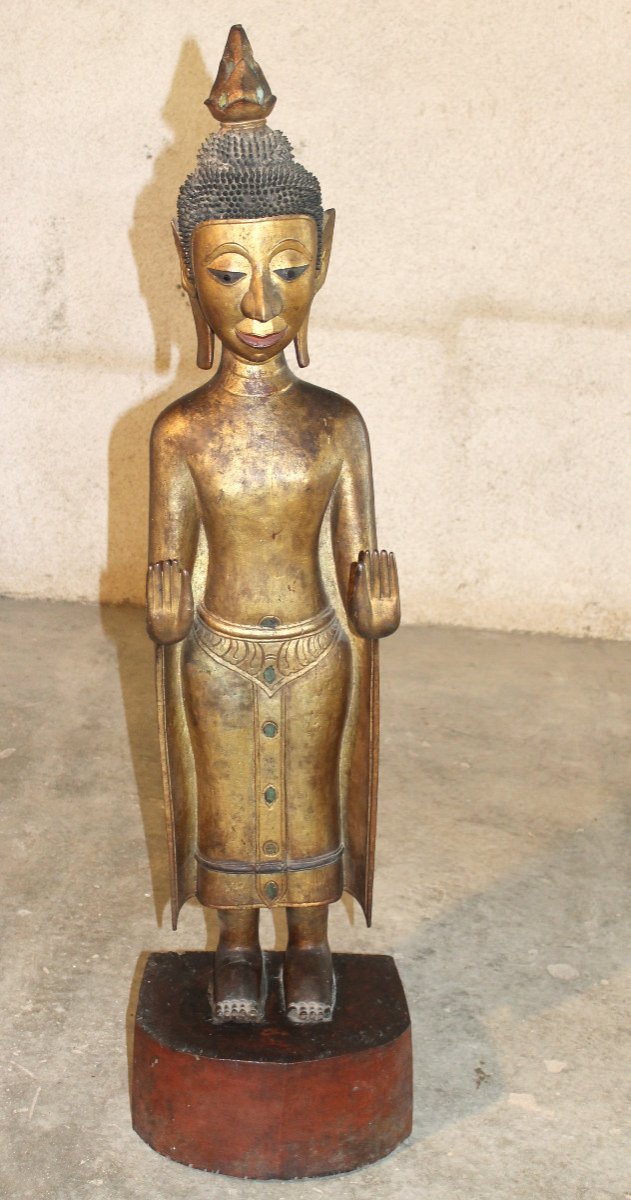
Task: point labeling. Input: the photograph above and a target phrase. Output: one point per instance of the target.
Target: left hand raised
(374, 604)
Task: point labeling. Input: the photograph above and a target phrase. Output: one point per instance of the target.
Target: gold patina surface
(261, 495)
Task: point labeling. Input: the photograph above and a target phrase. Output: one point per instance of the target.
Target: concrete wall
(476, 309)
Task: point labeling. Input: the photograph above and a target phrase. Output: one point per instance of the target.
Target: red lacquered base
(272, 1101)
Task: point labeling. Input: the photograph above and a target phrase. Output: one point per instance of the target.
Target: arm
(173, 532)
(367, 579)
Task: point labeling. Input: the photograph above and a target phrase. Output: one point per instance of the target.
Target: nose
(262, 301)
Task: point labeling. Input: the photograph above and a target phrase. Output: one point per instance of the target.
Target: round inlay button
(269, 623)
(270, 729)
(270, 795)
(270, 848)
(269, 675)
(271, 890)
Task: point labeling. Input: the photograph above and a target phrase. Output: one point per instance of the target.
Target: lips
(260, 343)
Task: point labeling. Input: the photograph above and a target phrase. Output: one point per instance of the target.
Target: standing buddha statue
(265, 591)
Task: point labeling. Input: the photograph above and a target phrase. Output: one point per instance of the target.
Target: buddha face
(255, 280)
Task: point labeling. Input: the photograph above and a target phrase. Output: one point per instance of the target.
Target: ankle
(309, 945)
(237, 946)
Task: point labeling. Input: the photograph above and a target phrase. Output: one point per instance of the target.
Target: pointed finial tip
(240, 91)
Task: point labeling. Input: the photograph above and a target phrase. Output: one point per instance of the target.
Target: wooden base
(275, 1100)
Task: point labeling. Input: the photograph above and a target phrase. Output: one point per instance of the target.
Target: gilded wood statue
(266, 593)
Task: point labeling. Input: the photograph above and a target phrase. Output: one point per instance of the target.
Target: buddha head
(252, 237)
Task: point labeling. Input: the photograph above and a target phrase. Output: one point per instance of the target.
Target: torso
(264, 471)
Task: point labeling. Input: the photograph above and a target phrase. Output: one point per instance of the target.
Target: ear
(187, 279)
(205, 336)
(327, 242)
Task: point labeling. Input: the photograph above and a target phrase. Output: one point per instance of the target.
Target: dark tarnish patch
(309, 439)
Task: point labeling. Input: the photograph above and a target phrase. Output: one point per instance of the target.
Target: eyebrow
(235, 248)
(226, 248)
(291, 244)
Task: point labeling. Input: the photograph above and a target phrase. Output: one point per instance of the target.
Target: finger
(394, 575)
(175, 574)
(186, 598)
(157, 572)
(363, 590)
(176, 583)
(152, 588)
(384, 589)
(360, 574)
(167, 590)
(388, 575)
(374, 575)
(366, 568)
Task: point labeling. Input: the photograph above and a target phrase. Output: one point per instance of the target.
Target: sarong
(266, 707)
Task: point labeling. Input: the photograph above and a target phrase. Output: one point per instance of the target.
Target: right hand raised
(170, 606)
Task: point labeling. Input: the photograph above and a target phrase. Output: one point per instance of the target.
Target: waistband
(267, 632)
(269, 655)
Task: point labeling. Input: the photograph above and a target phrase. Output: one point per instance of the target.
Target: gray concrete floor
(502, 889)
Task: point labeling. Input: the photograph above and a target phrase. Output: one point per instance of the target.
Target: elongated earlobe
(205, 336)
(301, 344)
(301, 340)
(327, 241)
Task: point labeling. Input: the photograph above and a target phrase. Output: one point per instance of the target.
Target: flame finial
(240, 91)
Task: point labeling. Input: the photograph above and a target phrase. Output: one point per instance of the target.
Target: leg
(308, 972)
(235, 991)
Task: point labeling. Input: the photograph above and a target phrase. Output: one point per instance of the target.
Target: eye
(289, 273)
(227, 277)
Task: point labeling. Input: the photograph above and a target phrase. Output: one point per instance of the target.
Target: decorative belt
(269, 654)
(236, 867)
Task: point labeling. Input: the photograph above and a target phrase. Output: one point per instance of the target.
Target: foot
(236, 989)
(309, 984)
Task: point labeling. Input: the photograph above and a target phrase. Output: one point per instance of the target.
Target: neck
(244, 378)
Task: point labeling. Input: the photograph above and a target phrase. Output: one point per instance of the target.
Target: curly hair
(246, 173)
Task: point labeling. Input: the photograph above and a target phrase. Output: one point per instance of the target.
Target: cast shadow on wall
(189, 123)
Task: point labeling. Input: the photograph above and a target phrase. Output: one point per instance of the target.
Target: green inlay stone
(271, 890)
(270, 848)
(270, 795)
(269, 674)
(270, 729)
(270, 623)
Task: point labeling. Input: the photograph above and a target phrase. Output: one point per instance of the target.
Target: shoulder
(330, 406)
(175, 423)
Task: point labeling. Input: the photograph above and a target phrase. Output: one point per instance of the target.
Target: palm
(375, 607)
(170, 605)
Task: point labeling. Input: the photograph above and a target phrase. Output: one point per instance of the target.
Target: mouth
(260, 343)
